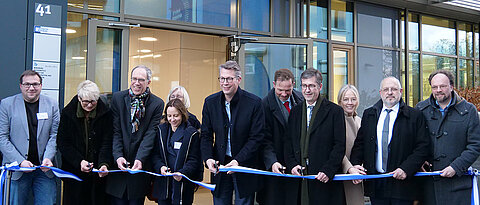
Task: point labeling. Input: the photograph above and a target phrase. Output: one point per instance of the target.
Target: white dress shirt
(381, 120)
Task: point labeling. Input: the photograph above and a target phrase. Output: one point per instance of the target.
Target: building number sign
(43, 9)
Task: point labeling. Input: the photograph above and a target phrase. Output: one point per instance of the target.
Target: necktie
(286, 104)
(310, 107)
(386, 125)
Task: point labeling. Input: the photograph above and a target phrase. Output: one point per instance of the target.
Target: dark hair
(450, 76)
(283, 74)
(30, 73)
(178, 104)
(312, 72)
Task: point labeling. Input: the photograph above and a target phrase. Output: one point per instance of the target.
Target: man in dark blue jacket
(235, 117)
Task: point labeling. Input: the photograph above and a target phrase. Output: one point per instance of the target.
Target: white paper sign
(50, 73)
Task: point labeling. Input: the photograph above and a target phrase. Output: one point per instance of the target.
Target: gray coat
(456, 143)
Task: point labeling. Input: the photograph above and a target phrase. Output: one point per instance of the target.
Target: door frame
(350, 67)
(93, 24)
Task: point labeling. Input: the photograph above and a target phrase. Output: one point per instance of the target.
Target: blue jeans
(43, 187)
(225, 198)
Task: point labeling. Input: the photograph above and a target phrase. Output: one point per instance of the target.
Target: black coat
(193, 121)
(71, 144)
(408, 150)
(133, 147)
(188, 162)
(246, 135)
(326, 150)
(275, 189)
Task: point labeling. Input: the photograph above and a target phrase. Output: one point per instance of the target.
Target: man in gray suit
(455, 133)
(28, 130)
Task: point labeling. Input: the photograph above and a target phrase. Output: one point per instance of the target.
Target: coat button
(445, 133)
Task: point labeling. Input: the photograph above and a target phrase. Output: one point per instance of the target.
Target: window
(377, 25)
(318, 19)
(256, 15)
(342, 21)
(320, 62)
(438, 35)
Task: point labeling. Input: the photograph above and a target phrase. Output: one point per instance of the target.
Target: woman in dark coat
(176, 150)
(84, 139)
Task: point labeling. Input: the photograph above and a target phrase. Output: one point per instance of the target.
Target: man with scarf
(136, 112)
(315, 144)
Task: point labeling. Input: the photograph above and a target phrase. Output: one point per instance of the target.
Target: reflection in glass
(107, 65)
(413, 78)
(373, 66)
(413, 32)
(75, 4)
(320, 62)
(262, 60)
(465, 74)
(476, 41)
(281, 17)
(340, 71)
(465, 39)
(76, 53)
(211, 12)
(256, 15)
(342, 21)
(318, 19)
(431, 63)
(438, 35)
(104, 5)
(377, 25)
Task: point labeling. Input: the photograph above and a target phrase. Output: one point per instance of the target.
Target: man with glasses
(315, 144)
(28, 130)
(392, 139)
(455, 133)
(136, 113)
(231, 132)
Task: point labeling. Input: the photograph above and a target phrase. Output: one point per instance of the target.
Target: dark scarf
(137, 108)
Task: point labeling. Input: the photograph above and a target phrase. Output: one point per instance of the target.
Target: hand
(86, 166)
(177, 177)
(164, 170)
(26, 163)
(211, 165)
(357, 169)
(322, 177)
(231, 164)
(103, 168)
(297, 170)
(121, 163)
(448, 172)
(137, 165)
(48, 163)
(278, 168)
(426, 167)
(399, 174)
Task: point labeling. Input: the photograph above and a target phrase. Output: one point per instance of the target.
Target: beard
(442, 97)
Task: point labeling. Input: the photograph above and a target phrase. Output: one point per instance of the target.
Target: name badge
(42, 116)
(177, 145)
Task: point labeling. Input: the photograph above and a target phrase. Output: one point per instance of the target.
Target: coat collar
(71, 108)
(401, 110)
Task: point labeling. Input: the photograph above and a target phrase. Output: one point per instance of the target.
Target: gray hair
(186, 97)
(149, 72)
(231, 65)
(312, 72)
(88, 90)
(394, 79)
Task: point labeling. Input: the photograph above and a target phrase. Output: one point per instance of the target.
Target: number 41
(43, 9)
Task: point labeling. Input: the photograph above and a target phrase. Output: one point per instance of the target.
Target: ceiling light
(146, 56)
(78, 58)
(70, 30)
(147, 39)
(157, 56)
(144, 51)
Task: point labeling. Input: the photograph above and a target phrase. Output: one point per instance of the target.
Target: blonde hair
(186, 97)
(88, 90)
(343, 90)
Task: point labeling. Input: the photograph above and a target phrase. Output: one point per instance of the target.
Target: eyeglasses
(442, 87)
(140, 80)
(386, 90)
(309, 86)
(227, 80)
(86, 102)
(27, 85)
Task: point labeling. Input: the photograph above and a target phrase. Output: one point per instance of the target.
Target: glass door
(107, 56)
(260, 57)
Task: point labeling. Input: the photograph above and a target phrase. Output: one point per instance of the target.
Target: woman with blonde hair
(348, 98)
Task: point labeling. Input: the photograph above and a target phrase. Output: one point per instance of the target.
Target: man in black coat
(236, 119)
(315, 144)
(136, 113)
(277, 105)
(392, 139)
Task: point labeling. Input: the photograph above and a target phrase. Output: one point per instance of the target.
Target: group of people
(286, 132)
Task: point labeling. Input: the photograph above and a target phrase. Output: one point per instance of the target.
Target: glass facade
(320, 62)
(281, 17)
(256, 15)
(104, 5)
(438, 35)
(318, 19)
(413, 32)
(342, 20)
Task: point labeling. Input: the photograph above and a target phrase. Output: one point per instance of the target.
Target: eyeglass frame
(34, 85)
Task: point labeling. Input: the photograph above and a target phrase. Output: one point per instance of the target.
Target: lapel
(127, 100)
(42, 108)
(22, 113)
(377, 109)
(320, 112)
(234, 107)
(276, 110)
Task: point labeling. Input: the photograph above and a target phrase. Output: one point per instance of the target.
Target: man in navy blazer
(28, 131)
(136, 113)
(235, 117)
